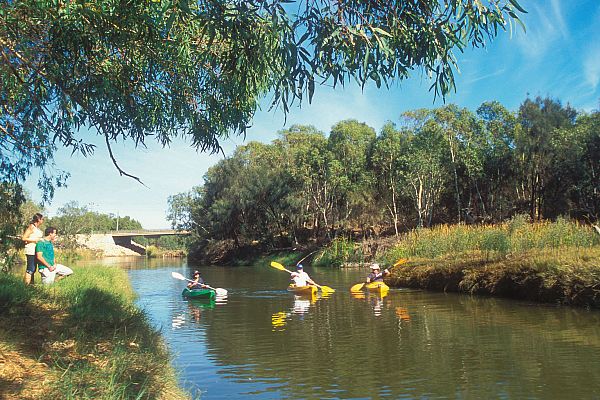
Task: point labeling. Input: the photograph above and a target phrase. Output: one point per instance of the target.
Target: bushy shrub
(340, 251)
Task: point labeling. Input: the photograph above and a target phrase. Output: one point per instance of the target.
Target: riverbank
(567, 277)
(82, 337)
(550, 262)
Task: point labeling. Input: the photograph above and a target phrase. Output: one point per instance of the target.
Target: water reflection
(408, 344)
(279, 320)
(301, 307)
(221, 299)
(302, 304)
(375, 300)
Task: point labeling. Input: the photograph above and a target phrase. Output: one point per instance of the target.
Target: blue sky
(558, 56)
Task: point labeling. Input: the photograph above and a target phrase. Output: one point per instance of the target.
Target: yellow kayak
(303, 290)
(377, 287)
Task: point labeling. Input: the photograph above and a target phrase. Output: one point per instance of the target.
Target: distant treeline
(443, 165)
(72, 219)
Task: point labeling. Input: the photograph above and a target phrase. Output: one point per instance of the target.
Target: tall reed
(514, 236)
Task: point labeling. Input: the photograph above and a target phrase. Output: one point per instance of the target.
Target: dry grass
(77, 339)
(565, 276)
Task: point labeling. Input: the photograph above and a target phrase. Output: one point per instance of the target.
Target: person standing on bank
(44, 251)
(31, 236)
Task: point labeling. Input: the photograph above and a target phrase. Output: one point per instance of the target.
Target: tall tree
(499, 179)
(306, 160)
(388, 161)
(590, 185)
(541, 119)
(350, 144)
(426, 171)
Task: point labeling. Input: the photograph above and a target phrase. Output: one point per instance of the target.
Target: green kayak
(198, 293)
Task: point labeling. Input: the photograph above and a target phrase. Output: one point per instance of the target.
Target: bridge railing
(148, 232)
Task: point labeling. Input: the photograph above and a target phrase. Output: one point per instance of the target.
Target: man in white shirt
(300, 277)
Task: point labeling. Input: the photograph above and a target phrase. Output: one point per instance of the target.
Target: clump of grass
(287, 259)
(340, 251)
(72, 254)
(553, 262)
(13, 293)
(89, 333)
(499, 240)
(152, 251)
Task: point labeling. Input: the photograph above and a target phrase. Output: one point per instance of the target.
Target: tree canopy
(160, 69)
(443, 165)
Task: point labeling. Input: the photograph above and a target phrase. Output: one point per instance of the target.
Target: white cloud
(545, 25)
(486, 76)
(559, 17)
(591, 67)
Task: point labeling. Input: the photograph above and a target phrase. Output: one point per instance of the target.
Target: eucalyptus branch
(15, 141)
(114, 161)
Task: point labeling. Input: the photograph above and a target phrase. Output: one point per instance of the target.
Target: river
(262, 342)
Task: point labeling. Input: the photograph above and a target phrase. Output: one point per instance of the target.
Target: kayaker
(198, 282)
(300, 277)
(376, 275)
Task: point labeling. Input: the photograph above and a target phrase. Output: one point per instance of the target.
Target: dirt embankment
(523, 278)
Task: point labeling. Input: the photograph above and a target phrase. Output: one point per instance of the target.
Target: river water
(262, 342)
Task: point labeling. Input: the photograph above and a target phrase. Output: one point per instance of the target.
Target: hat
(299, 266)
(374, 266)
(196, 272)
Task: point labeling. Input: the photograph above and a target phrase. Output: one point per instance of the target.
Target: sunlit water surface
(262, 342)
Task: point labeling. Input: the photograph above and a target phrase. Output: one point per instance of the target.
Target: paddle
(218, 291)
(359, 286)
(324, 289)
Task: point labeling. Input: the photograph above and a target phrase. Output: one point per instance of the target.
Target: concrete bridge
(149, 233)
(120, 243)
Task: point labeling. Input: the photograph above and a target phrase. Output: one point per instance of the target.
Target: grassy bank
(80, 338)
(556, 262)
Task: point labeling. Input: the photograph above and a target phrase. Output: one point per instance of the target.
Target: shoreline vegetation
(85, 338)
(547, 262)
(82, 337)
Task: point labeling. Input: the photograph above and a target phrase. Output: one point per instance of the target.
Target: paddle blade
(358, 287)
(221, 292)
(278, 266)
(400, 262)
(177, 275)
(327, 289)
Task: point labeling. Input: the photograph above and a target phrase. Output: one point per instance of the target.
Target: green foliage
(134, 71)
(340, 251)
(11, 200)
(152, 251)
(13, 293)
(569, 276)
(543, 120)
(73, 219)
(440, 166)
